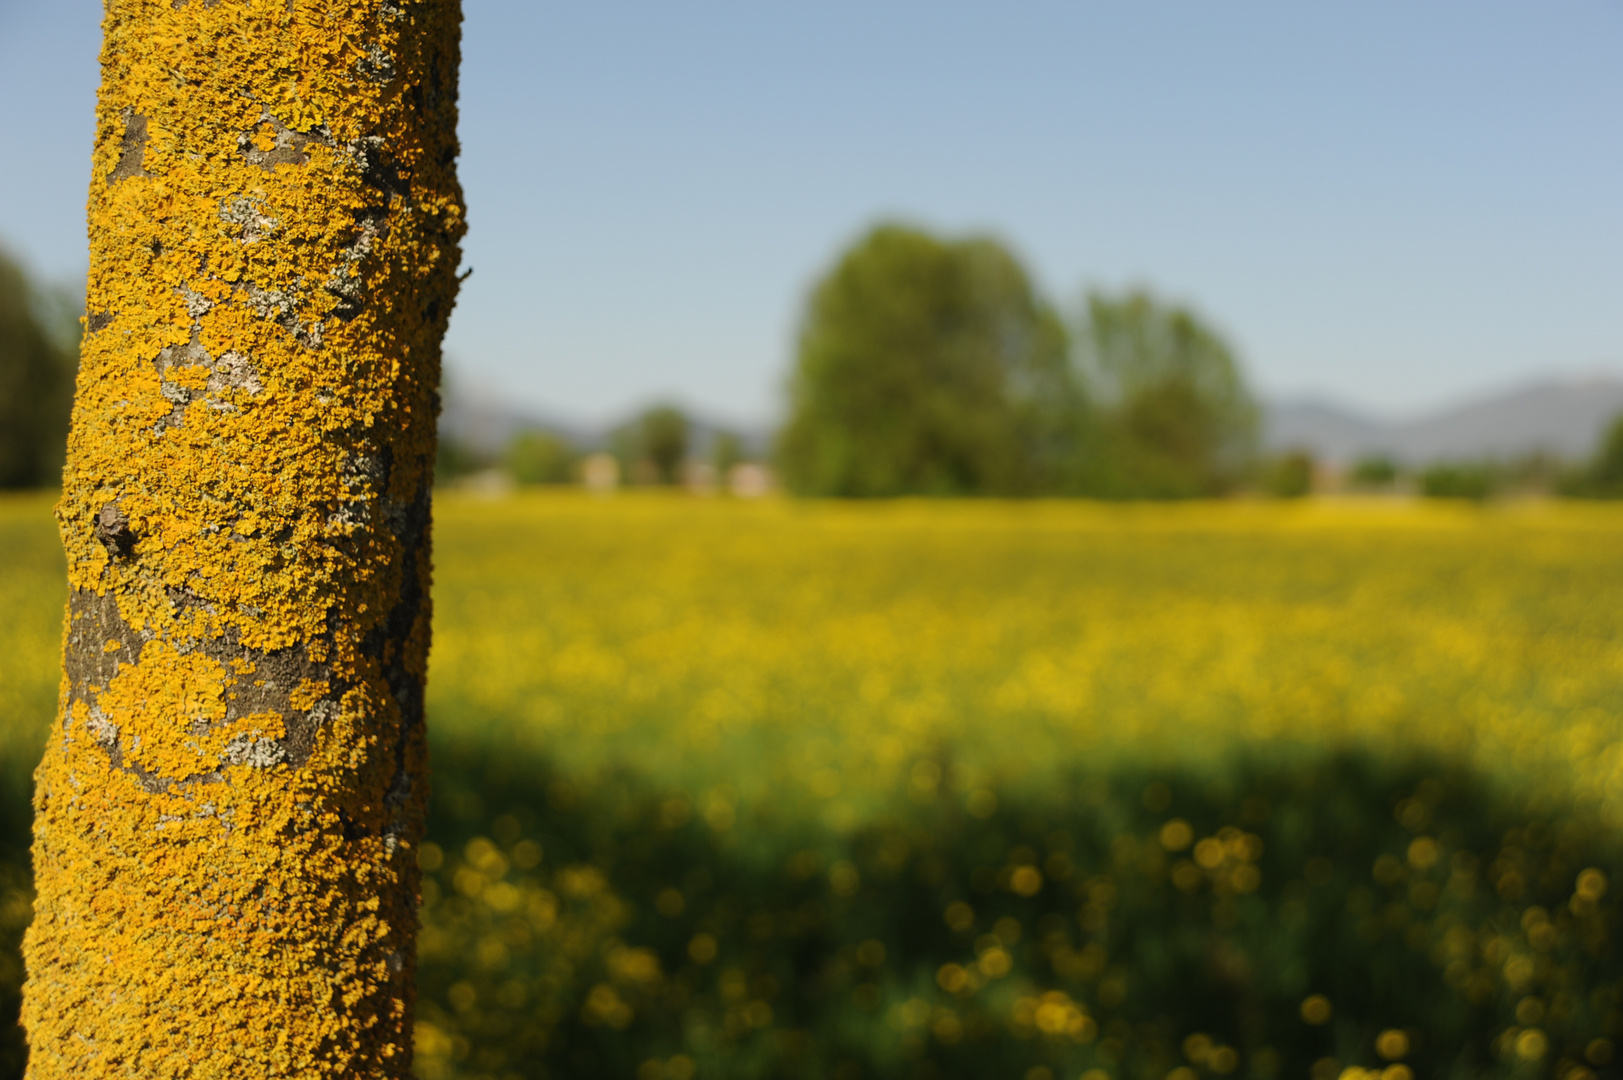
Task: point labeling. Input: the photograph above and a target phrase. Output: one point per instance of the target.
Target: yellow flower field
(947, 789)
(821, 649)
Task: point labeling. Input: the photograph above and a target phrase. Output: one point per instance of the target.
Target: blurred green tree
(538, 457)
(1606, 471)
(1602, 477)
(39, 351)
(725, 452)
(1179, 421)
(1373, 472)
(654, 446)
(455, 458)
(1474, 480)
(930, 367)
(1290, 475)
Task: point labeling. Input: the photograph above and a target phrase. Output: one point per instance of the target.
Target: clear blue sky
(1388, 203)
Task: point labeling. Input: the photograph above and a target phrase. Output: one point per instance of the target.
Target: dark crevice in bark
(379, 169)
(388, 641)
(132, 150)
(347, 283)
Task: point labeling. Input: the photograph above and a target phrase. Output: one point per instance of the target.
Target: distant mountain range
(1564, 418)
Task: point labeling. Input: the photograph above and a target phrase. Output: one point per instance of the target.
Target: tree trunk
(230, 803)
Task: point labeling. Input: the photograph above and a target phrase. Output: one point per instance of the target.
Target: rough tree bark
(230, 802)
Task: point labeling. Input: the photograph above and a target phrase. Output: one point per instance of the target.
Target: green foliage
(929, 367)
(1179, 421)
(1602, 477)
(654, 446)
(727, 451)
(1373, 472)
(39, 345)
(1606, 471)
(536, 457)
(455, 458)
(933, 367)
(1290, 475)
(1474, 480)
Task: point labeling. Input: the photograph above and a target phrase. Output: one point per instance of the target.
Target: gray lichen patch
(171, 357)
(346, 282)
(197, 305)
(131, 149)
(103, 730)
(370, 157)
(376, 65)
(254, 752)
(276, 305)
(247, 215)
(231, 371)
(280, 306)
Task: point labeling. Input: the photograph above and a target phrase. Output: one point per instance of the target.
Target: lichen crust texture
(230, 802)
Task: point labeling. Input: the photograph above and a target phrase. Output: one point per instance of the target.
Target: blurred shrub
(455, 458)
(1373, 472)
(1283, 918)
(726, 451)
(1602, 477)
(653, 447)
(39, 353)
(1290, 475)
(537, 457)
(1459, 480)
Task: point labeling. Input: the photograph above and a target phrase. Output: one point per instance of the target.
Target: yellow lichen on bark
(229, 805)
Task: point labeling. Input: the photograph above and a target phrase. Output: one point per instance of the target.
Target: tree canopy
(653, 447)
(932, 366)
(38, 355)
(1602, 476)
(1179, 420)
(926, 366)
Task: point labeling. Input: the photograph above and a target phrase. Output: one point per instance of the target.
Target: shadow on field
(16, 906)
(1292, 918)
(1289, 918)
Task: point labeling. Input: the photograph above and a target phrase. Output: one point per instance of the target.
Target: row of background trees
(931, 366)
(39, 353)
(935, 367)
(925, 366)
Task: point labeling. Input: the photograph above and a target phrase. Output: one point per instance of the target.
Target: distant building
(700, 477)
(490, 483)
(750, 481)
(600, 473)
